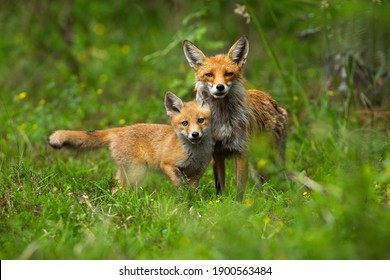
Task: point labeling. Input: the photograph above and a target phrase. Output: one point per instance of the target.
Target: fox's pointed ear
(195, 56)
(239, 51)
(173, 104)
(201, 99)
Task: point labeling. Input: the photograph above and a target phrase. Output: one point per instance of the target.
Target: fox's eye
(229, 74)
(208, 75)
(201, 120)
(184, 123)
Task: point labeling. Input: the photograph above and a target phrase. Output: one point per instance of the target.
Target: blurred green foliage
(96, 64)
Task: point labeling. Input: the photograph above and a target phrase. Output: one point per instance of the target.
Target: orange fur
(182, 151)
(236, 111)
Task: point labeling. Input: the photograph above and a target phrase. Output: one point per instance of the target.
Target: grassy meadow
(98, 64)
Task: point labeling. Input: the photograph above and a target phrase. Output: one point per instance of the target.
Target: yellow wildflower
(99, 29)
(266, 220)
(122, 121)
(331, 93)
(42, 102)
(261, 163)
(249, 201)
(125, 49)
(21, 95)
(99, 91)
(295, 98)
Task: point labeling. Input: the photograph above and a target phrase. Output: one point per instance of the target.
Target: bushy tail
(80, 140)
(269, 116)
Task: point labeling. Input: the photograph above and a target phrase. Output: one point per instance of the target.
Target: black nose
(195, 134)
(220, 87)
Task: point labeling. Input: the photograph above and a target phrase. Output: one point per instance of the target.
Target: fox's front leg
(219, 173)
(241, 175)
(173, 173)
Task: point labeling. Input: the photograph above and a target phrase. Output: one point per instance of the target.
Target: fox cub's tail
(81, 140)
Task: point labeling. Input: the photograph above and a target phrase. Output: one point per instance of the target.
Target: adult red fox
(236, 111)
(182, 151)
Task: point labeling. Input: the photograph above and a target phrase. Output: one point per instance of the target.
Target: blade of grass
(270, 51)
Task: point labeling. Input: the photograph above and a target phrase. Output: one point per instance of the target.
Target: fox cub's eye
(208, 75)
(229, 74)
(201, 120)
(184, 123)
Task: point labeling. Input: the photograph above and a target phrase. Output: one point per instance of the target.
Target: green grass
(61, 205)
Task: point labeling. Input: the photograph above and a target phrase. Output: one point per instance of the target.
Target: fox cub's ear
(173, 104)
(239, 51)
(195, 56)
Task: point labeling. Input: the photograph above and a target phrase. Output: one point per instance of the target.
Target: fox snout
(219, 90)
(195, 137)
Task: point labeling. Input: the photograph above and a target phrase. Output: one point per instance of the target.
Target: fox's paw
(56, 140)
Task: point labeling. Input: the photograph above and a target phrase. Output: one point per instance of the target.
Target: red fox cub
(182, 151)
(236, 111)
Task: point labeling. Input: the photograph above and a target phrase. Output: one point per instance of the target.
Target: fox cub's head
(219, 73)
(191, 119)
